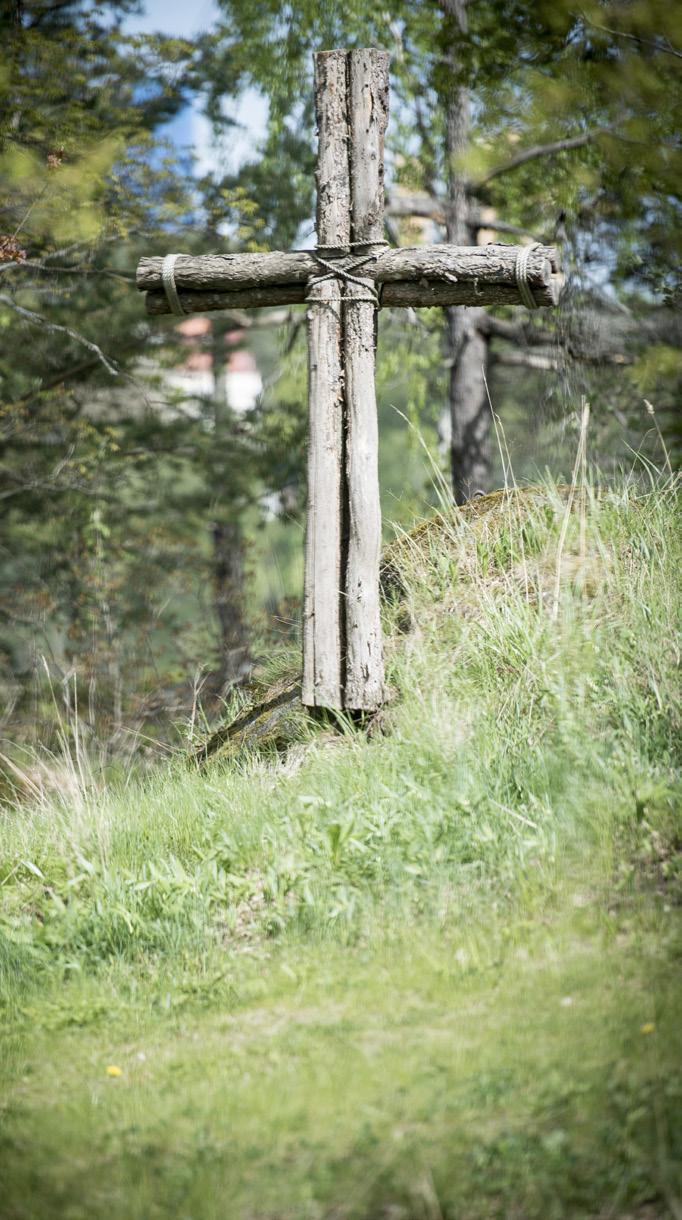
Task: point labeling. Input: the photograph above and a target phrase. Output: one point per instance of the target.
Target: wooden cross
(344, 282)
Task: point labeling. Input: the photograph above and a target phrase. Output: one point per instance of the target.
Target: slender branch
(668, 49)
(527, 360)
(65, 251)
(32, 205)
(503, 226)
(73, 270)
(430, 207)
(540, 150)
(37, 319)
(575, 347)
(513, 332)
(551, 359)
(416, 203)
(71, 488)
(663, 327)
(66, 375)
(610, 302)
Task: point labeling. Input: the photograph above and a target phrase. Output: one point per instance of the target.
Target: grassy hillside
(427, 971)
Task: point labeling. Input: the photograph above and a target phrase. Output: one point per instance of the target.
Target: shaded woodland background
(151, 539)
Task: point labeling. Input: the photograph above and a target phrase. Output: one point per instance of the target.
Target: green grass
(433, 972)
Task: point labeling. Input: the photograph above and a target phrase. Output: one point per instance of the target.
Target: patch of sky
(190, 131)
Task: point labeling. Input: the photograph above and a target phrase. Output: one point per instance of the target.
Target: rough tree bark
(228, 601)
(405, 293)
(466, 344)
(449, 274)
(227, 536)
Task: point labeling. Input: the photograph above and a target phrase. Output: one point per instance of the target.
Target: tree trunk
(229, 590)
(467, 347)
(470, 415)
(228, 587)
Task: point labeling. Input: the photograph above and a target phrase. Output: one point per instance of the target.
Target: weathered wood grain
(364, 672)
(415, 293)
(493, 263)
(322, 596)
(368, 106)
(465, 292)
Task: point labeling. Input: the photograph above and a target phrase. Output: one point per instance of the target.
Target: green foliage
(89, 431)
(330, 851)
(438, 963)
(604, 78)
(537, 75)
(110, 485)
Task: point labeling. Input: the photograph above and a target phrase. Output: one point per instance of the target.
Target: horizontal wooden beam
(406, 293)
(491, 264)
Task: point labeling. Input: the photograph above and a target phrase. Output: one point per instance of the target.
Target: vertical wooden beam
(368, 107)
(323, 629)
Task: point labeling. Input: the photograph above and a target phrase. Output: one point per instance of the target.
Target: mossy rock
(488, 509)
(271, 721)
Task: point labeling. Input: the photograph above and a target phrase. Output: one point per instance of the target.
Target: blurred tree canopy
(575, 113)
(149, 543)
(106, 485)
(553, 122)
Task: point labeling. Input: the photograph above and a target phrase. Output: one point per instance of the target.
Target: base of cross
(344, 282)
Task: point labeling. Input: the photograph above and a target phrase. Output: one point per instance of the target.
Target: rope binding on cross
(169, 286)
(521, 275)
(333, 271)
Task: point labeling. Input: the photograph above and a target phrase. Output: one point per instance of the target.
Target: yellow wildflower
(112, 1070)
(647, 1028)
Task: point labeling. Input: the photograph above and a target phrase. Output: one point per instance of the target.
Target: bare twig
(429, 206)
(31, 206)
(542, 150)
(666, 47)
(37, 319)
(73, 270)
